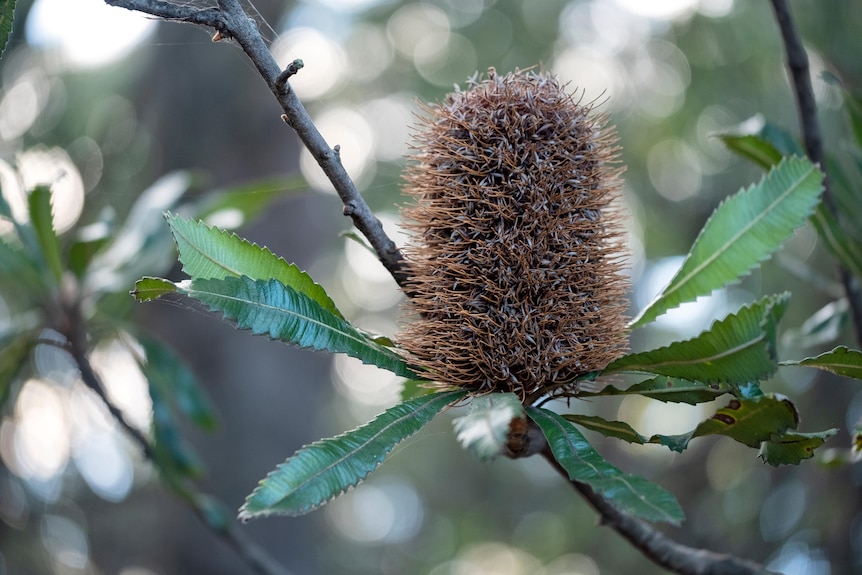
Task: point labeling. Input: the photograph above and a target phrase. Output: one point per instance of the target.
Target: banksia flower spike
(516, 256)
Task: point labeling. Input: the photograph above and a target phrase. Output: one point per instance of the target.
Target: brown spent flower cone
(516, 255)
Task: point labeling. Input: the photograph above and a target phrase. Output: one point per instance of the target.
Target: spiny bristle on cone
(516, 256)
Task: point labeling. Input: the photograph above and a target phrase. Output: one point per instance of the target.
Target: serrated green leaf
(210, 253)
(148, 288)
(175, 381)
(841, 360)
(234, 207)
(325, 469)
(484, 430)
(667, 389)
(792, 448)
(42, 220)
(630, 493)
(617, 429)
(7, 14)
(742, 232)
(736, 350)
(751, 421)
(272, 308)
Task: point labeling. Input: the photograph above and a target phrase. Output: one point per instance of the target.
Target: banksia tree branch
(800, 74)
(230, 21)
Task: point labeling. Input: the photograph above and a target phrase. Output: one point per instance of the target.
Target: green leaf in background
(792, 448)
(822, 327)
(175, 381)
(234, 207)
(630, 493)
(752, 147)
(417, 388)
(736, 350)
(325, 469)
(7, 14)
(484, 430)
(172, 453)
(667, 389)
(270, 307)
(841, 361)
(42, 220)
(148, 289)
(14, 350)
(210, 253)
(741, 233)
(617, 429)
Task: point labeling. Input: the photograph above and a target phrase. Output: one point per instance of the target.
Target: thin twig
(657, 546)
(230, 21)
(797, 63)
(73, 329)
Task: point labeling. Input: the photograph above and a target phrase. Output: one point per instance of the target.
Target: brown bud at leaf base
(516, 257)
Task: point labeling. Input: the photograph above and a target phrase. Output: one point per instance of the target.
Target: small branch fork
(230, 21)
(797, 63)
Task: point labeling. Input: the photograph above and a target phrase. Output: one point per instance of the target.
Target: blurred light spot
(713, 121)
(390, 118)
(419, 24)
(345, 128)
(715, 8)
(227, 219)
(87, 155)
(445, 65)
(389, 511)
(543, 533)
(325, 62)
(797, 558)
(573, 564)
(496, 558)
(365, 384)
(65, 540)
(650, 417)
(104, 465)
(52, 361)
(688, 319)
(125, 384)
(351, 5)
(723, 475)
(113, 123)
(602, 27)
(674, 169)
(86, 33)
(52, 167)
(41, 432)
(368, 51)
(21, 104)
(664, 10)
(463, 12)
(597, 74)
(14, 509)
(782, 510)
(741, 502)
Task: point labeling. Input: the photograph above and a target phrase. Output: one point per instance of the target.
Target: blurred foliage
(670, 84)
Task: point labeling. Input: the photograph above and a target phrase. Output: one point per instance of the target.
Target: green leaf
(269, 307)
(841, 361)
(175, 381)
(232, 208)
(210, 253)
(14, 350)
(16, 264)
(630, 493)
(741, 233)
(618, 429)
(823, 326)
(752, 147)
(148, 289)
(667, 389)
(172, 454)
(325, 469)
(484, 430)
(7, 13)
(792, 448)
(416, 388)
(736, 350)
(841, 244)
(39, 202)
(751, 421)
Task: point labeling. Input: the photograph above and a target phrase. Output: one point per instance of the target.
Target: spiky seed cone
(516, 254)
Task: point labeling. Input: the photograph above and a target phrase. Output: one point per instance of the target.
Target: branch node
(291, 70)
(221, 32)
(337, 150)
(349, 208)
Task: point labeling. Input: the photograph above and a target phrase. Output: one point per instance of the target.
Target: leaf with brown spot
(791, 448)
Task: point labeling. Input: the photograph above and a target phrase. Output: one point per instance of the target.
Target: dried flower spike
(516, 255)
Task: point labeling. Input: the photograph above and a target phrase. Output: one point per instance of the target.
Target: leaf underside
(742, 232)
(7, 13)
(841, 360)
(484, 430)
(629, 493)
(325, 469)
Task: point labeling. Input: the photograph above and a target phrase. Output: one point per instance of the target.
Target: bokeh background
(113, 101)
